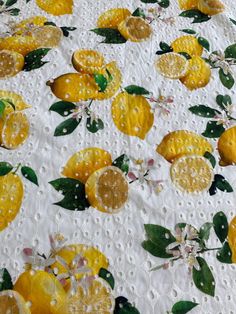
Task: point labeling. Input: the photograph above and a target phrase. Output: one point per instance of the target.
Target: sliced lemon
(28, 24)
(60, 7)
(180, 143)
(113, 75)
(11, 63)
(14, 98)
(199, 74)
(188, 44)
(172, 65)
(107, 189)
(40, 289)
(47, 36)
(87, 61)
(232, 238)
(135, 29)
(192, 174)
(11, 195)
(188, 4)
(96, 299)
(132, 114)
(19, 43)
(11, 302)
(15, 130)
(112, 18)
(211, 7)
(74, 87)
(83, 163)
(227, 147)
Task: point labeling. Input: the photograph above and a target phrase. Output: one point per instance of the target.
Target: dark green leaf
(66, 127)
(63, 108)
(211, 158)
(66, 30)
(163, 3)
(29, 174)
(139, 12)
(66, 185)
(2, 108)
(230, 51)
(149, 1)
(188, 31)
(13, 12)
(74, 201)
(198, 17)
(122, 162)
(101, 81)
(221, 226)
(212, 189)
(9, 3)
(183, 307)
(223, 101)
(95, 125)
(6, 281)
(112, 36)
(213, 130)
(204, 111)
(222, 184)
(5, 168)
(185, 54)
(233, 21)
(204, 43)
(123, 306)
(50, 23)
(157, 250)
(224, 255)
(203, 278)
(204, 231)
(226, 79)
(106, 275)
(136, 90)
(33, 60)
(165, 47)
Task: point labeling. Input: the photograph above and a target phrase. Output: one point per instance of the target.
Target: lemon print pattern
(132, 114)
(210, 7)
(112, 18)
(188, 4)
(227, 147)
(60, 7)
(135, 29)
(188, 44)
(12, 302)
(232, 238)
(11, 62)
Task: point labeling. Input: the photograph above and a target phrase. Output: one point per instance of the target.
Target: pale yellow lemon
(11, 302)
(227, 147)
(135, 29)
(112, 18)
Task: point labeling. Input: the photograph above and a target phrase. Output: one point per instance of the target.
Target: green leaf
(223, 101)
(185, 54)
(157, 250)
(149, 1)
(2, 108)
(204, 43)
(213, 130)
(224, 255)
(63, 108)
(6, 281)
(221, 226)
(10, 3)
(123, 306)
(66, 127)
(50, 23)
(13, 12)
(122, 162)
(222, 184)
(165, 47)
(95, 125)
(198, 17)
(139, 12)
(230, 51)
(183, 307)
(211, 158)
(136, 90)
(204, 231)
(203, 278)
(29, 174)
(101, 81)
(74, 192)
(66, 30)
(112, 36)
(233, 21)
(204, 111)
(5, 168)
(106, 275)
(188, 31)
(163, 3)
(33, 60)
(226, 79)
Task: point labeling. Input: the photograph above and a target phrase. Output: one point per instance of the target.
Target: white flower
(57, 241)
(219, 61)
(35, 260)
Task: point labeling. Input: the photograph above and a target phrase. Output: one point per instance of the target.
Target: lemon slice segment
(88, 61)
(23, 44)
(47, 36)
(135, 29)
(11, 63)
(15, 98)
(192, 174)
(172, 65)
(13, 303)
(112, 18)
(107, 189)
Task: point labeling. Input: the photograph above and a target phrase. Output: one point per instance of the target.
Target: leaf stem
(17, 167)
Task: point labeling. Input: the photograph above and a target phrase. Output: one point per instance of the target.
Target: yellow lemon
(188, 4)
(41, 289)
(74, 87)
(83, 163)
(172, 65)
(87, 61)
(211, 7)
(135, 29)
(15, 130)
(107, 189)
(11, 63)
(19, 43)
(192, 174)
(112, 18)
(188, 44)
(59, 7)
(232, 238)
(11, 302)
(227, 147)
(114, 82)
(11, 195)
(15, 98)
(180, 143)
(97, 298)
(28, 24)
(132, 114)
(198, 75)
(94, 260)
(47, 36)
